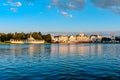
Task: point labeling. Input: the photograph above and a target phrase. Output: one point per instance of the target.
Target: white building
(55, 38)
(82, 38)
(72, 39)
(112, 36)
(30, 40)
(63, 38)
(96, 38)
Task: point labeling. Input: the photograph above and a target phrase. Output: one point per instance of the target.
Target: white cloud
(12, 3)
(49, 7)
(10, 0)
(112, 5)
(30, 2)
(66, 14)
(13, 9)
(69, 4)
(17, 4)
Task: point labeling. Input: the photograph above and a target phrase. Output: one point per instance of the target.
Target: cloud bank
(66, 14)
(69, 4)
(13, 9)
(112, 5)
(17, 4)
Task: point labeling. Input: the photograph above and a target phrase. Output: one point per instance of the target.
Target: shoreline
(65, 43)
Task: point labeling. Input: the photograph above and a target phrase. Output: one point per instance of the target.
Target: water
(60, 62)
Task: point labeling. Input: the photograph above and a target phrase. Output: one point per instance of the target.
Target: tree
(37, 35)
(3, 37)
(9, 36)
(105, 39)
(24, 36)
(47, 37)
(117, 38)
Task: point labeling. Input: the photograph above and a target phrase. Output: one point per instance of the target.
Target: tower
(112, 37)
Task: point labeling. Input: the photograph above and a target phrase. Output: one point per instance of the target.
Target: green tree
(9, 36)
(105, 39)
(17, 36)
(37, 35)
(47, 37)
(3, 37)
(117, 38)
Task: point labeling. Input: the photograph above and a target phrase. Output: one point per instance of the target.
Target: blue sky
(59, 15)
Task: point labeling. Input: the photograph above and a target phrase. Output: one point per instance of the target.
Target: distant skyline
(59, 15)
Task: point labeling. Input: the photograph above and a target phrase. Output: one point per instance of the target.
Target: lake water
(60, 62)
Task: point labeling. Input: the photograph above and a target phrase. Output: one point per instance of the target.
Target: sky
(59, 15)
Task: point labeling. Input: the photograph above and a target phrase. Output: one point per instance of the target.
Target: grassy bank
(24, 43)
(3, 43)
(62, 43)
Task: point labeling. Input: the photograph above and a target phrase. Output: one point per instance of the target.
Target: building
(82, 38)
(76, 39)
(15, 41)
(72, 39)
(60, 39)
(30, 40)
(112, 37)
(96, 38)
(63, 38)
(55, 39)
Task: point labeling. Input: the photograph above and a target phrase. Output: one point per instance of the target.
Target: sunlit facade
(96, 38)
(82, 38)
(63, 38)
(76, 39)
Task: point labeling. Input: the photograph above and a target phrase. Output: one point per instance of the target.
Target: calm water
(60, 62)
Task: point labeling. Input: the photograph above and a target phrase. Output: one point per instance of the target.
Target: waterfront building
(82, 38)
(32, 40)
(15, 41)
(63, 38)
(112, 36)
(29, 40)
(72, 39)
(96, 38)
(55, 38)
(52, 38)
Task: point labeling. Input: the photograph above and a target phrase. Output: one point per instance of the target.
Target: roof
(31, 38)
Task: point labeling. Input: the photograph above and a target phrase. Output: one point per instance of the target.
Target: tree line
(23, 36)
(36, 35)
(106, 39)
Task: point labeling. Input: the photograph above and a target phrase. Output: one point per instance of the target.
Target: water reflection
(60, 61)
(33, 49)
(82, 49)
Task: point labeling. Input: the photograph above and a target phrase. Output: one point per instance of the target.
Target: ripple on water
(60, 62)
